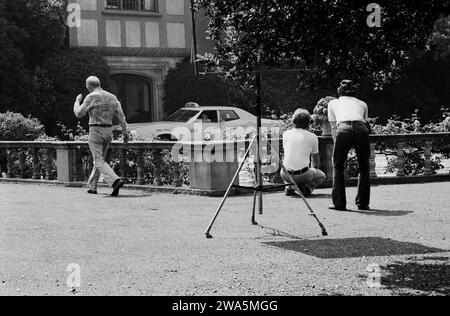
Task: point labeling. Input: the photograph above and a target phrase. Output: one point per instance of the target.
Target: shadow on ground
(122, 196)
(414, 278)
(383, 213)
(353, 247)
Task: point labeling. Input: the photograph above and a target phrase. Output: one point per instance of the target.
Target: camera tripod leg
(255, 195)
(247, 153)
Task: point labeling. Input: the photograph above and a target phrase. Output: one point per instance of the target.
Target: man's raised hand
(79, 98)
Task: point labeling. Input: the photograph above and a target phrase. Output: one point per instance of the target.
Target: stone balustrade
(71, 162)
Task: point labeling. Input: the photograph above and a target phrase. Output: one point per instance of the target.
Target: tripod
(260, 188)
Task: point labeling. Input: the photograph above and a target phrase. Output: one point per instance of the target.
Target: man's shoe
(117, 186)
(335, 208)
(305, 190)
(92, 192)
(363, 208)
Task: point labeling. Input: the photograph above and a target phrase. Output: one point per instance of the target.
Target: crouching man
(301, 147)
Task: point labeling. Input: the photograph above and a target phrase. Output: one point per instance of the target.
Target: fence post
(140, 167)
(36, 165)
(78, 164)
(373, 164)
(176, 174)
(64, 163)
(428, 147)
(22, 163)
(157, 161)
(9, 164)
(123, 162)
(401, 159)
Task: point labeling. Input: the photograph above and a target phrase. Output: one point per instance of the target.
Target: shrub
(16, 127)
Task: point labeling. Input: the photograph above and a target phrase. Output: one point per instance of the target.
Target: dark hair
(347, 88)
(302, 119)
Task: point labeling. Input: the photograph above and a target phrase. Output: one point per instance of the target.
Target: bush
(16, 127)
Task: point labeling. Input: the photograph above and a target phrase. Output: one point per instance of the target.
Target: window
(182, 116)
(133, 5)
(228, 116)
(148, 5)
(112, 4)
(208, 117)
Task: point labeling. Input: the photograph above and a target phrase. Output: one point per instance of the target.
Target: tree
(30, 32)
(441, 37)
(39, 27)
(330, 36)
(67, 70)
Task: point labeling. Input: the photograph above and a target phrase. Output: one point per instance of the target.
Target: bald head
(92, 83)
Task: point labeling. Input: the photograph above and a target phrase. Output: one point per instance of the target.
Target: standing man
(348, 116)
(300, 147)
(102, 107)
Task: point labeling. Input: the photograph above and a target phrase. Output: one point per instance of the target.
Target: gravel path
(153, 244)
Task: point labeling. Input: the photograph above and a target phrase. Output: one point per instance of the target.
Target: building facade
(141, 40)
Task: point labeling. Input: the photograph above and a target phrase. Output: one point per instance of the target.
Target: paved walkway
(153, 244)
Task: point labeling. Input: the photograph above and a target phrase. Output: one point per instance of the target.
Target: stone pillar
(64, 164)
(208, 174)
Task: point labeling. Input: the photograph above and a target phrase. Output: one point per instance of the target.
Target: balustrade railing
(151, 163)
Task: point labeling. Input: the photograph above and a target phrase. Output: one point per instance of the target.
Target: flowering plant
(321, 110)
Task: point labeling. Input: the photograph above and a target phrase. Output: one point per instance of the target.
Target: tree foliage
(330, 36)
(37, 26)
(68, 69)
(39, 75)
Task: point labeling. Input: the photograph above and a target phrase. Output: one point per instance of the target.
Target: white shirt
(299, 145)
(347, 109)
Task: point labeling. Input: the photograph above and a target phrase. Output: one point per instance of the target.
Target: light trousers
(99, 140)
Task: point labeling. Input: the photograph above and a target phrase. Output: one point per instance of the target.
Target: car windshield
(182, 116)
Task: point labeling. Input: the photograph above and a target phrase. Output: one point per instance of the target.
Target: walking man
(102, 107)
(301, 147)
(348, 116)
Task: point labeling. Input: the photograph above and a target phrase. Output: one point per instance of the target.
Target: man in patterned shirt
(102, 107)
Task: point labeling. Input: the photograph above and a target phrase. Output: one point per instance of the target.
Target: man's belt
(298, 172)
(100, 125)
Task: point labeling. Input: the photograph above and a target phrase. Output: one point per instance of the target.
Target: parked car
(197, 123)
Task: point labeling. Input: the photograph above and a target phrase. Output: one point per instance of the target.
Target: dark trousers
(351, 135)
